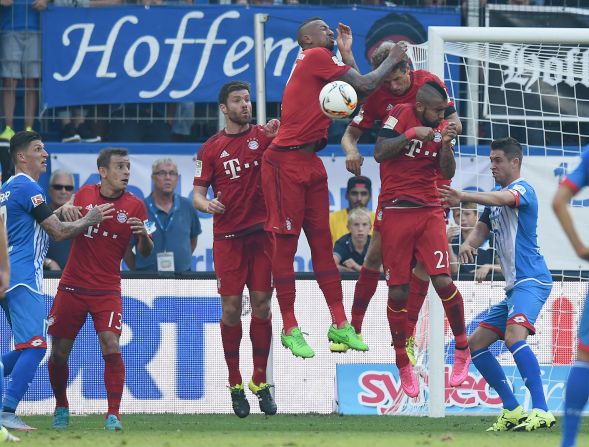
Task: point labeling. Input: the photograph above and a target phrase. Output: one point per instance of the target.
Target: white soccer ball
(338, 99)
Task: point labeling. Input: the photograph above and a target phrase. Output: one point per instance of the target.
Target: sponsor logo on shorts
(520, 319)
(387, 275)
(288, 224)
(50, 320)
(37, 200)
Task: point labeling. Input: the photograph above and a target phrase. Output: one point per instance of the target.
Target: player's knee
(109, 341)
(59, 354)
(441, 281)
(515, 333)
(398, 293)
(261, 308)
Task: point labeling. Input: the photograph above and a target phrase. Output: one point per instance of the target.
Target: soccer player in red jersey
(91, 283)
(295, 181)
(414, 143)
(231, 163)
(400, 87)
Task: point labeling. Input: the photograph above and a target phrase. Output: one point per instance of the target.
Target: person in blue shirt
(29, 223)
(350, 250)
(577, 389)
(175, 222)
(511, 212)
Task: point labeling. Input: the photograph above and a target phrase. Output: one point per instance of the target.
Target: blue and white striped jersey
(27, 241)
(516, 240)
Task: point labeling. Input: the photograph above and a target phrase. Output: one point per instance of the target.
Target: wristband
(410, 133)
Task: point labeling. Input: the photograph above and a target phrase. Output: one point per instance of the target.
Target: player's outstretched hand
(70, 213)
(450, 197)
(99, 213)
(354, 163)
(215, 206)
(398, 52)
(271, 128)
(137, 226)
(467, 253)
(449, 133)
(344, 38)
(423, 133)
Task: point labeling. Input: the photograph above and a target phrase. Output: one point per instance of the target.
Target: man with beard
(230, 162)
(415, 142)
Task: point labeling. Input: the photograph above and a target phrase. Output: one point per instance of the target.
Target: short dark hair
(20, 142)
(431, 90)
(232, 86)
(510, 147)
(106, 154)
(301, 29)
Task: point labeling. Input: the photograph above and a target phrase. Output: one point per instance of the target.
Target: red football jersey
(232, 164)
(408, 176)
(96, 254)
(302, 120)
(381, 101)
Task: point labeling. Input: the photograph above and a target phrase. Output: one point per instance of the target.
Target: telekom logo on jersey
(233, 167)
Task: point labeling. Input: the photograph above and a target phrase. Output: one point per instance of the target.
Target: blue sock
(493, 373)
(576, 395)
(22, 376)
(529, 369)
(9, 360)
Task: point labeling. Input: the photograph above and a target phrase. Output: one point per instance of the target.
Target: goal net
(533, 85)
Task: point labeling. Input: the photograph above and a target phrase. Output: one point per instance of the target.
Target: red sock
(417, 293)
(397, 316)
(58, 376)
(454, 309)
(285, 248)
(332, 290)
(363, 293)
(231, 338)
(114, 381)
(261, 337)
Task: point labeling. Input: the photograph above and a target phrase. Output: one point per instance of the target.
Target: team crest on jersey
(37, 200)
(253, 144)
(437, 137)
(122, 216)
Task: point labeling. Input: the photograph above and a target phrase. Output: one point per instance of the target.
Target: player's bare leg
(418, 287)
(231, 333)
(397, 317)
(454, 309)
(114, 377)
(261, 337)
(61, 349)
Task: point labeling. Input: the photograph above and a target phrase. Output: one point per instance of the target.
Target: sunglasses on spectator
(166, 173)
(57, 186)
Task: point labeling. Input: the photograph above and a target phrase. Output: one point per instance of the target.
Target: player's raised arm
(59, 231)
(560, 205)
(349, 144)
(453, 197)
(344, 45)
(447, 160)
(388, 147)
(366, 84)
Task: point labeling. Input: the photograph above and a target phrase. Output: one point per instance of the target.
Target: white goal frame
(437, 37)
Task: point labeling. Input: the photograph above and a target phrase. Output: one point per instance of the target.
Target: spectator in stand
(358, 194)
(61, 191)
(466, 217)
(349, 250)
(175, 223)
(20, 49)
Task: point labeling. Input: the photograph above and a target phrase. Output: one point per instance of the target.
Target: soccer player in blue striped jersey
(511, 212)
(577, 389)
(29, 223)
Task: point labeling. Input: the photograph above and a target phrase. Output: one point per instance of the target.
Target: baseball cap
(359, 180)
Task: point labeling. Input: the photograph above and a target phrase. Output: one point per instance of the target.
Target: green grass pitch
(172, 430)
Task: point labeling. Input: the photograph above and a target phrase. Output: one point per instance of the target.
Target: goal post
(553, 56)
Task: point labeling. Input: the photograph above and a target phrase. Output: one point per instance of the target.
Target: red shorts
(295, 191)
(245, 260)
(69, 311)
(410, 235)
